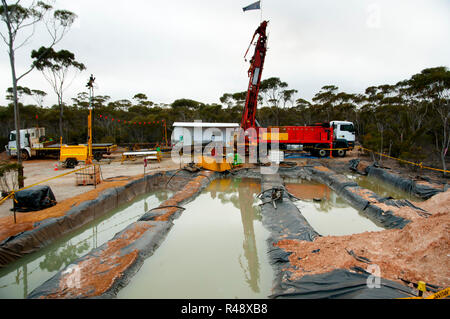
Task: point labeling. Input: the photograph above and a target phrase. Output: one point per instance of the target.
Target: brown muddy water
(20, 278)
(216, 249)
(327, 212)
(382, 188)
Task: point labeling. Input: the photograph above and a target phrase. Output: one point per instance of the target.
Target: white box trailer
(201, 133)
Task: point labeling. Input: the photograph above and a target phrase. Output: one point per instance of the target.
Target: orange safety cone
(56, 167)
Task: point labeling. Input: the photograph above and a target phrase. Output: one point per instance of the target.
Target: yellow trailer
(70, 155)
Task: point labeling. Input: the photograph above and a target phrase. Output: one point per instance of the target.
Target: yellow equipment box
(77, 152)
(210, 164)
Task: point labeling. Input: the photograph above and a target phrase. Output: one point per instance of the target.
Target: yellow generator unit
(209, 163)
(70, 155)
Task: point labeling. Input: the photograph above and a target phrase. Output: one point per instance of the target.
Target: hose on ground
(112, 179)
(167, 184)
(271, 189)
(168, 206)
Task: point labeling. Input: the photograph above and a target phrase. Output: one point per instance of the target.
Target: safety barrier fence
(420, 165)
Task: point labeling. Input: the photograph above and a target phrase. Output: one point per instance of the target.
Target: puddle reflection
(326, 211)
(216, 249)
(382, 188)
(20, 278)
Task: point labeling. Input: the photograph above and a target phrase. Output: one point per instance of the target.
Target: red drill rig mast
(255, 72)
(317, 139)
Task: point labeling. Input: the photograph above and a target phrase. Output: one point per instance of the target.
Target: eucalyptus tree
(56, 67)
(288, 97)
(375, 97)
(433, 88)
(21, 91)
(272, 91)
(227, 100)
(303, 109)
(38, 96)
(142, 100)
(325, 100)
(20, 19)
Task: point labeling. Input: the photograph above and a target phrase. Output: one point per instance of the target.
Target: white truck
(344, 136)
(30, 140)
(33, 143)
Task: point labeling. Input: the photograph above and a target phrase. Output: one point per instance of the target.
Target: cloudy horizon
(195, 49)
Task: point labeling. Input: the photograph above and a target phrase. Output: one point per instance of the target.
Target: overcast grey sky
(194, 49)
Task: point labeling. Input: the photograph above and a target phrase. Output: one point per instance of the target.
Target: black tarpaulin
(34, 199)
(341, 284)
(353, 165)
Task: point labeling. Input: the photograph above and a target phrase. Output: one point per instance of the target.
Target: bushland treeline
(409, 119)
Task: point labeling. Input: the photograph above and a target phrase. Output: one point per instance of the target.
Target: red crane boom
(254, 73)
(317, 139)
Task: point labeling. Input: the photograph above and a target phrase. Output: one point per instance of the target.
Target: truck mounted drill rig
(322, 139)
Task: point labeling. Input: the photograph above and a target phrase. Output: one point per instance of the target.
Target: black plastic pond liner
(45, 232)
(349, 190)
(287, 222)
(340, 284)
(407, 185)
(385, 219)
(34, 199)
(283, 222)
(278, 256)
(353, 166)
(145, 245)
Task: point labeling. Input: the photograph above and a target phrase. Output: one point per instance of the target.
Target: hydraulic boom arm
(255, 72)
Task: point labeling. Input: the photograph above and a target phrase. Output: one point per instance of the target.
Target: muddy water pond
(326, 211)
(216, 249)
(382, 188)
(20, 278)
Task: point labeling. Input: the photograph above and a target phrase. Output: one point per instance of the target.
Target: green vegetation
(8, 177)
(409, 119)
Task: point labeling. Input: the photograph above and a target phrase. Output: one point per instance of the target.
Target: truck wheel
(323, 153)
(71, 163)
(98, 156)
(24, 154)
(341, 153)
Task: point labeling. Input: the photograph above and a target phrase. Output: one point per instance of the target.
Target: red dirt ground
(418, 252)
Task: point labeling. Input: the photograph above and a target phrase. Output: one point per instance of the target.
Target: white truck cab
(29, 139)
(344, 133)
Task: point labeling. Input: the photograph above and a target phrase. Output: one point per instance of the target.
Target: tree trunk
(61, 115)
(20, 179)
(444, 166)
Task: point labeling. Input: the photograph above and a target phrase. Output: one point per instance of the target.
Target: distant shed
(204, 133)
